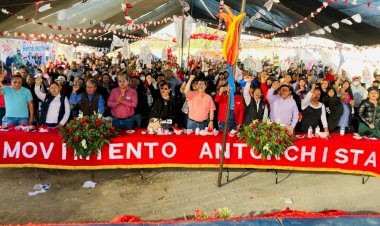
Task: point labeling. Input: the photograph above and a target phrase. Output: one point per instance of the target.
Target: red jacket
(264, 89)
(330, 77)
(239, 108)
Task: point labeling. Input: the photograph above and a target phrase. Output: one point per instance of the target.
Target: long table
(45, 150)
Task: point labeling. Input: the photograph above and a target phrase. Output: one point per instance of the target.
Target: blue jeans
(123, 123)
(2, 114)
(191, 124)
(15, 121)
(136, 119)
(231, 122)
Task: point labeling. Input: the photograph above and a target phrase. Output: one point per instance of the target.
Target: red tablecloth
(45, 150)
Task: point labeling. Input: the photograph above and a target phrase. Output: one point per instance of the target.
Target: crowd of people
(134, 95)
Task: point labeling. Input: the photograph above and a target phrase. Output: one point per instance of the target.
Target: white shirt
(247, 99)
(55, 105)
(306, 102)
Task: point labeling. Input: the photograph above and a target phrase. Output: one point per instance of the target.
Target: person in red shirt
(236, 114)
(330, 75)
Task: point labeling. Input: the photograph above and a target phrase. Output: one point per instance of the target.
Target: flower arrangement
(87, 134)
(268, 138)
(221, 213)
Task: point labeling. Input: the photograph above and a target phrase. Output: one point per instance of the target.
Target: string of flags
(304, 20)
(40, 37)
(268, 5)
(315, 13)
(106, 27)
(357, 18)
(124, 8)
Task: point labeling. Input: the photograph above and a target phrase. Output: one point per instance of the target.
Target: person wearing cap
(283, 107)
(369, 113)
(201, 106)
(64, 86)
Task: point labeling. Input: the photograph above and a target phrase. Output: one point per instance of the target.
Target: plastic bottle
(317, 131)
(4, 123)
(310, 132)
(342, 131)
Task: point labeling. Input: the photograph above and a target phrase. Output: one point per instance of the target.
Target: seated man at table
(283, 107)
(18, 101)
(122, 102)
(341, 112)
(90, 102)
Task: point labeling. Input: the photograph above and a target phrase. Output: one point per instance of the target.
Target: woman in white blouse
(55, 109)
(313, 111)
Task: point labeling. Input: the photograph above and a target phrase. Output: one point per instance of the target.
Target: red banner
(46, 150)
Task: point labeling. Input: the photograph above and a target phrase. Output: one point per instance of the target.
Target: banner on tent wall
(32, 53)
(178, 21)
(340, 154)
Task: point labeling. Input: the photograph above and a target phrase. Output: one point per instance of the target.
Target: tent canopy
(81, 13)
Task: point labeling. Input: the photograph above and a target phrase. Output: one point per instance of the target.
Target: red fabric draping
(340, 154)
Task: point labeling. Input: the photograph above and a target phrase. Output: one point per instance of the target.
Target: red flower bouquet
(268, 138)
(87, 135)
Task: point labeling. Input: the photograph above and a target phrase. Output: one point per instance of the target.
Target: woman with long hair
(369, 113)
(55, 110)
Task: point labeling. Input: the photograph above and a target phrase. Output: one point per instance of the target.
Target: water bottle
(342, 130)
(317, 131)
(310, 132)
(4, 123)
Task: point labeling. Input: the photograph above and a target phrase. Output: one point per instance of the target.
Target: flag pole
(182, 34)
(226, 123)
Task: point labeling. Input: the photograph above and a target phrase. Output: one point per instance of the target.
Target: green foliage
(87, 135)
(225, 213)
(268, 138)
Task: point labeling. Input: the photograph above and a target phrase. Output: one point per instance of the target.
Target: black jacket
(369, 114)
(162, 111)
(336, 112)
